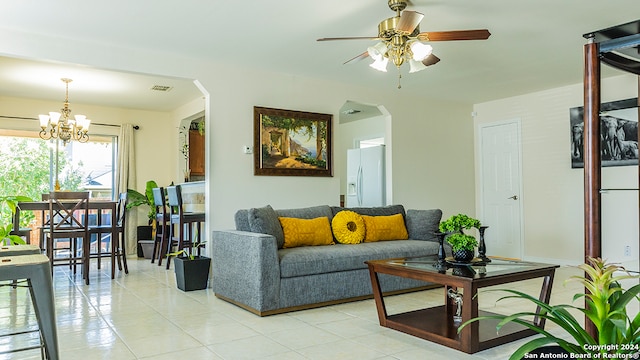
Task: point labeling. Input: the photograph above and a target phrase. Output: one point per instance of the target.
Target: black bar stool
(184, 220)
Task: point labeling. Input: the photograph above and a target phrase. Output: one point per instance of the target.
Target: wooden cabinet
(196, 153)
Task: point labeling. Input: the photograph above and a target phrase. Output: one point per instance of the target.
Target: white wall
(432, 141)
(553, 192)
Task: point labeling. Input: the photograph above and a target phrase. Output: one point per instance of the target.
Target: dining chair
(185, 221)
(67, 220)
(103, 230)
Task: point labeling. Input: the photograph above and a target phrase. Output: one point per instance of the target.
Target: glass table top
(475, 269)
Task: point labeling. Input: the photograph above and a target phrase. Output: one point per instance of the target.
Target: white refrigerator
(366, 177)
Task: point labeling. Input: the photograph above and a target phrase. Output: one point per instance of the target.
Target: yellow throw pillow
(348, 227)
(306, 232)
(384, 228)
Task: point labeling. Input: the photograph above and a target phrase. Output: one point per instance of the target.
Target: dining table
(99, 206)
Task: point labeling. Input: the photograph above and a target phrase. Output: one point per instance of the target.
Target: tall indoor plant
(606, 306)
(144, 232)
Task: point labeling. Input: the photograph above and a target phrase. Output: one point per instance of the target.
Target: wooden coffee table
(437, 323)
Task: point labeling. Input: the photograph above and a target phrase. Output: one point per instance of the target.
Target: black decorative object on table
(441, 264)
(482, 247)
(463, 255)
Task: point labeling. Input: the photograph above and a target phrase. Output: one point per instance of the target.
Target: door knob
(514, 197)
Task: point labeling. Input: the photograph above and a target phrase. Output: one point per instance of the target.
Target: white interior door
(501, 184)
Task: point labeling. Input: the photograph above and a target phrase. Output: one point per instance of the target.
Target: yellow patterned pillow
(384, 228)
(348, 227)
(306, 232)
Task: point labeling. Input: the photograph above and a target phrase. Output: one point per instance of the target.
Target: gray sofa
(252, 270)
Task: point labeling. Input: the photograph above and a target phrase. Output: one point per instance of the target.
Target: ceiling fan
(400, 40)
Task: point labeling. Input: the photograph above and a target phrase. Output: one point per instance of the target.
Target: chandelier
(58, 125)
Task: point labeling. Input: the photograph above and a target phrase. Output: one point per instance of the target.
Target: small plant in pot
(463, 245)
(192, 271)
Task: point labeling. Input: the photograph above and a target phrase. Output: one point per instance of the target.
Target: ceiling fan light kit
(400, 41)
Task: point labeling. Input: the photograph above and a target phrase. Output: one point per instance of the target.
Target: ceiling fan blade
(430, 60)
(481, 34)
(409, 20)
(362, 56)
(349, 38)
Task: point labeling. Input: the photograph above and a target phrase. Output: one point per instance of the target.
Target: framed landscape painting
(618, 133)
(291, 143)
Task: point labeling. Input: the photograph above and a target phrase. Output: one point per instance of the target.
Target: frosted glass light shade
(380, 64)
(420, 51)
(415, 66)
(44, 120)
(55, 116)
(377, 51)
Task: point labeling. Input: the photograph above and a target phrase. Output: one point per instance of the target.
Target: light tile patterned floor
(144, 316)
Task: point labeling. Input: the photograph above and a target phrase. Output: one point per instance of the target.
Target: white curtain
(126, 177)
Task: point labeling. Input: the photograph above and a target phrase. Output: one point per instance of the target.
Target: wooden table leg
(377, 296)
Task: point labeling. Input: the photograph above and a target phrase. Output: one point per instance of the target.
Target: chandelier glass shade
(59, 125)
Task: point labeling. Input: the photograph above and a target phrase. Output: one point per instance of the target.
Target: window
(28, 165)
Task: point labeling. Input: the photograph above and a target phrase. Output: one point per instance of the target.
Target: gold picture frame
(292, 143)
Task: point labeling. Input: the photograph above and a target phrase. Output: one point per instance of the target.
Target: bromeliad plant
(606, 306)
(455, 226)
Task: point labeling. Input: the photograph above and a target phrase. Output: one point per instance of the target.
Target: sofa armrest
(245, 268)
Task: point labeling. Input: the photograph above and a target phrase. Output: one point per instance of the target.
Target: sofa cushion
(348, 227)
(423, 224)
(307, 212)
(378, 228)
(306, 232)
(309, 260)
(265, 221)
(373, 211)
(242, 220)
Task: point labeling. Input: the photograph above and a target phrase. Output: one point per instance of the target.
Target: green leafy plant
(455, 226)
(458, 223)
(8, 205)
(462, 241)
(189, 252)
(606, 306)
(135, 198)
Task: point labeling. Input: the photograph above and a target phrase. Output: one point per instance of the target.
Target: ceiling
(535, 45)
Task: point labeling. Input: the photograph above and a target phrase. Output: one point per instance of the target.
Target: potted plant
(8, 206)
(463, 245)
(192, 271)
(606, 306)
(144, 232)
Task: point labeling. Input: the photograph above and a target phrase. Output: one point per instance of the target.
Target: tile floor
(143, 315)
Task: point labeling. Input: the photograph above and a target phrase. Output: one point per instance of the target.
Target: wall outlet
(627, 250)
(247, 149)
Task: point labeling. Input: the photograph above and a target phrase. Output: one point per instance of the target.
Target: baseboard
(561, 262)
(321, 304)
